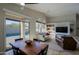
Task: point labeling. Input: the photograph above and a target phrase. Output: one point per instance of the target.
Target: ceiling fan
(23, 4)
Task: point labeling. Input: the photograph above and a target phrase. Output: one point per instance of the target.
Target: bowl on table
(28, 42)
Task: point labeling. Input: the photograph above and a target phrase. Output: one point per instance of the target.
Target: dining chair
(18, 39)
(36, 40)
(15, 50)
(44, 51)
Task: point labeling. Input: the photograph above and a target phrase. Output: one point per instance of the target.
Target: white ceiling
(55, 9)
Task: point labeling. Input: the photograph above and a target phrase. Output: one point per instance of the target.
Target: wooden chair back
(18, 39)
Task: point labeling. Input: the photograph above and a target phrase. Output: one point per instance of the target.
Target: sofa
(42, 38)
(66, 42)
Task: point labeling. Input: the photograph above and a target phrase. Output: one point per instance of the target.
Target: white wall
(66, 24)
(2, 35)
(77, 24)
(65, 18)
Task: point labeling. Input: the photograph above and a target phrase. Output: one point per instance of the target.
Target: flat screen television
(62, 29)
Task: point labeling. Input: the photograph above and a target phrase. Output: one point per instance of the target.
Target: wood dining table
(34, 49)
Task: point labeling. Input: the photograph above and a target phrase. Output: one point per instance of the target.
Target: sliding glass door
(16, 29)
(12, 31)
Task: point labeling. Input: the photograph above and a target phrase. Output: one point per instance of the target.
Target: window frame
(40, 30)
(27, 29)
(16, 21)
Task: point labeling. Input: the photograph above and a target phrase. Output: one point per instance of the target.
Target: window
(40, 27)
(16, 29)
(12, 31)
(37, 27)
(27, 30)
(43, 28)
